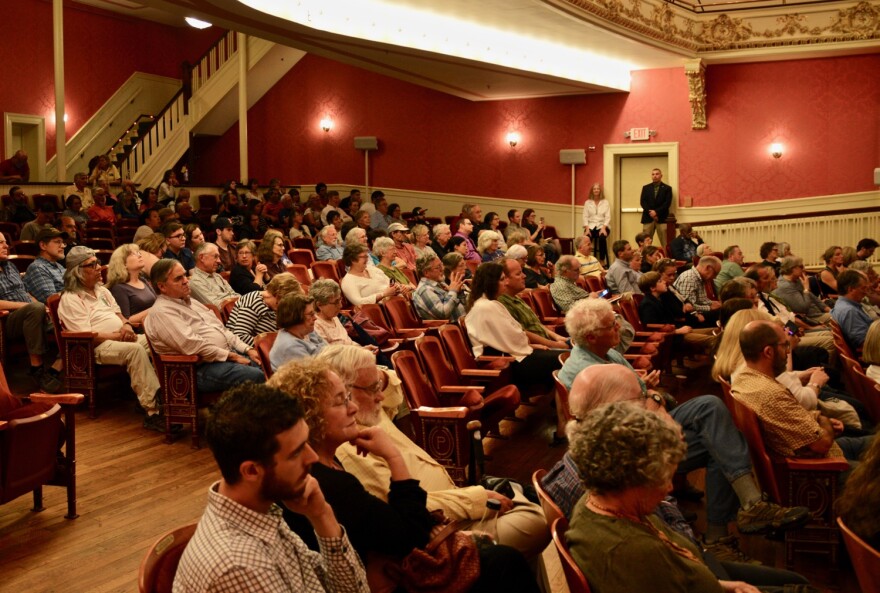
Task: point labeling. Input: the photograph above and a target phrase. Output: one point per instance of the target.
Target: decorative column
(696, 74)
(242, 108)
(60, 127)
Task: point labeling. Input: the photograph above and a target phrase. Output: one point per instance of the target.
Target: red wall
(825, 111)
(101, 50)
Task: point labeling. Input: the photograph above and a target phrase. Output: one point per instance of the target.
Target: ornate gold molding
(696, 74)
(815, 24)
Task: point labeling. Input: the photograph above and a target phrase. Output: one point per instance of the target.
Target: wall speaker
(366, 143)
(573, 156)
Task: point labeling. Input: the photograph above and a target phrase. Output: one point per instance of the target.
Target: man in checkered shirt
(260, 442)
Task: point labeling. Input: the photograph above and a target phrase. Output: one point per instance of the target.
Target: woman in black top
(247, 276)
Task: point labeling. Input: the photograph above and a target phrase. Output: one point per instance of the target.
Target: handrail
(214, 59)
(137, 120)
(167, 121)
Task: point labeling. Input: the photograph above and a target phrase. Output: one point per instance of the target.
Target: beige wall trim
(813, 205)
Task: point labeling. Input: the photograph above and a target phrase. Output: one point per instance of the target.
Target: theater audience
(379, 219)
(152, 249)
(691, 285)
(150, 223)
(489, 245)
(126, 206)
(769, 253)
(433, 298)
(271, 253)
(793, 289)
(194, 236)
(464, 227)
(383, 249)
(45, 276)
(731, 267)
(86, 306)
(175, 239)
(178, 324)
(206, 284)
(536, 332)
(80, 188)
(224, 240)
(536, 234)
(564, 290)
(74, 209)
(684, 246)
(421, 241)
(865, 248)
(129, 284)
(149, 199)
(168, 188)
(254, 313)
(296, 331)
(659, 307)
(247, 275)
(403, 254)
(100, 211)
(538, 272)
(364, 284)
(393, 528)
(589, 264)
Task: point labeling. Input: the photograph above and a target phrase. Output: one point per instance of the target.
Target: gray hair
(485, 239)
(567, 263)
(583, 319)
(202, 247)
(517, 237)
(439, 228)
(347, 360)
(601, 384)
(419, 230)
(381, 246)
(710, 260)
(73, 279)
(517, 252)
(324, 291)
(580, 241)
(424, 262)
(323, 231)
(789, 264)
(353, 237)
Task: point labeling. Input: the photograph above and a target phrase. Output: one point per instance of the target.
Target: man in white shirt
(81, 188)
(333, 204)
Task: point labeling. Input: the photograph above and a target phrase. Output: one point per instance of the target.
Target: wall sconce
(776, 150)
(197, 23)
(513, 138)
(326, 124)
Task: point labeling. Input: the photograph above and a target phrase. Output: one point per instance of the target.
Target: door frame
(37, 161)
(612, 153)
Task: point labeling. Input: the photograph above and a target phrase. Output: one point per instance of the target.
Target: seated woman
(858, 503)
(358, 236)
(871, 351)
(383, 248)
(152, 248)
(626, 457)
(422, 240)
(328, 244)
(296, 331)
(536, 271)
(375, 528)
(129, 284)
(489, 246)
(551, 247)
(833, 258)
(271, 252)
(126, 206)
(454, 263)
(297, 228)
(364, 284)
(254, 313)
(194, 236)
(247, 275)
(492, 329)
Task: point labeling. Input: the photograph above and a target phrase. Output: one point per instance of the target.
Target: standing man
(656, 199)
(15, 169)
(27, 319)
(259, 439)
(45, 276)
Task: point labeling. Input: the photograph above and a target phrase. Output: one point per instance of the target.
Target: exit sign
(639, 134)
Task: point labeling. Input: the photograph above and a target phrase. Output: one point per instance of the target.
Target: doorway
(27, 132)
(627, 167)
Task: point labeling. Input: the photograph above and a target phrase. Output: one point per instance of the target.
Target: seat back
(552, 512)
(865, 559)
(25, 248)
(457, 348)
(630, 312)
(263, 343)
(304, 243)
(434, 361)
(862, 386)
(301, 273)
(376, 314)
(156, 574)
(595, 283)
(226, 309)
(401, 314)
(301, 256)
(207, 203)
(574, 577)
(416, 387)
(22, 261)
(547, 310)
(563, 411)
(28, 449)
(100, 243)
(749, 424)
(326, 269)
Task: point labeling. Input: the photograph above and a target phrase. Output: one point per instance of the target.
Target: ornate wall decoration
(777, 27)
(696, 74)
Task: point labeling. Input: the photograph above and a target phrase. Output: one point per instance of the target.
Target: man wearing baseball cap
(402, 249)
(45, 276)
(225, 237)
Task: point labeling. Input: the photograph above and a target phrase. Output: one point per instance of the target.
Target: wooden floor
(132, 488)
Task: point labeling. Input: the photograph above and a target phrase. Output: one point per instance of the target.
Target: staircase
(211, 109)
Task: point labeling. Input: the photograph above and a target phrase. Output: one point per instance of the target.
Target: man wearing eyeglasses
(175, 238)
(45, 276)
(433, 299)
(86, 306)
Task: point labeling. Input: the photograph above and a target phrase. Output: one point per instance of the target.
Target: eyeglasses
(786, 344)
(94, 265)
(177, 236)
(373, 388)
(616, 324)
(344, 401)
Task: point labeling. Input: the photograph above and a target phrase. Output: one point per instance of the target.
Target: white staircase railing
(169, 124)
(214, 59)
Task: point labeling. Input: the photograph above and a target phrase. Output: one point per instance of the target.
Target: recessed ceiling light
(197, 23)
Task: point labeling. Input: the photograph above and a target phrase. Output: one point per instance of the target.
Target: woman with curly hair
(859, 504)
(128, 283)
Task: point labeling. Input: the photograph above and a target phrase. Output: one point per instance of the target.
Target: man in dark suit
(655, 201)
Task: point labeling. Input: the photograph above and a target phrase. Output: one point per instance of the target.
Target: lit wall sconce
(513, 138)
(326, 124)
(196, 23)
(776, 150)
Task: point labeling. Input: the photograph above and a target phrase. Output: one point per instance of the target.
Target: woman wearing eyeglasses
(254, 313)
(247, 275)
(296, 331)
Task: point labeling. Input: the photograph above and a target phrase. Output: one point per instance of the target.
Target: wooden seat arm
(3, 424)
(434, 322)
(179, 358)
(4, 313)
(830, 464)
(68, 335)
(660, 327)
(461, 388)
(447, 412)
(480, 373)
(488, 358)
(57, 398)
(394, 346)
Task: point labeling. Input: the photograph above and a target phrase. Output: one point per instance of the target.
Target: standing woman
(597, 217)
(128, 284)
(271, 253)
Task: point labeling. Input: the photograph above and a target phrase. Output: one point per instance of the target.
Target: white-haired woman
(358, 236)
(383, 248)
(489, 246)
(421, 240)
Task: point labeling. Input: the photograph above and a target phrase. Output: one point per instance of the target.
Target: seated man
(537, 332)
(789, 429)
(769, 252)
(684, 246)
(178, 325)
(794, 290)
(80, 188)
(655, 309)
(590, 265)
(175, 238)
(45, 217)
(86, 306)
(27, 320)
(520, 523)
(15, 169)
(402, 250)
(564, 290)
(225, 239)
(206, 284)
(259, 440)
(731, 267)
(433, 299)
(852, 287)
(621, 277)
(45, 276)
(464, 228)
(602, 384)
(100, 211)
(865, 248)
(690, 284)
(713, 440)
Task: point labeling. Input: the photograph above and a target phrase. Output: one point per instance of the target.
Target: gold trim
(695, 71)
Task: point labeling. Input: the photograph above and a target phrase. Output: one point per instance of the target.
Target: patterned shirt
(786, 425)
(582, 358)
(590, 266)
(44, 278)
(622, 278)
(11, 286)
(210, 288)
(690, 285)
(250, 317)
(237, 549)
(566, 293)
(434, 300)
(523, 314)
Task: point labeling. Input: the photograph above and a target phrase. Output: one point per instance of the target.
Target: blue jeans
(715, 443)
(220, 376)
